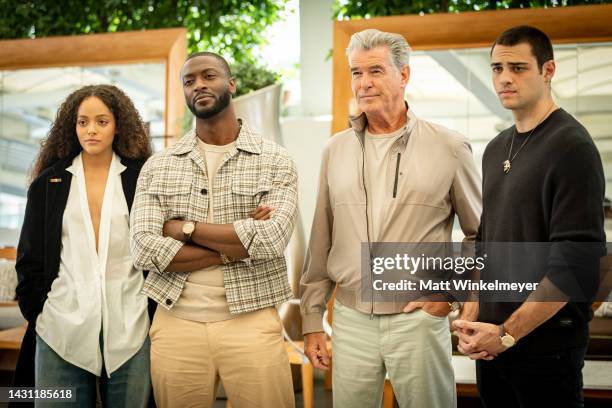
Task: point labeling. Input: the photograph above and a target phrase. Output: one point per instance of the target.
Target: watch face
(455, 306)
(507, 341)
(188, 227)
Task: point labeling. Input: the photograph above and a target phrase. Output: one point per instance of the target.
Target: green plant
(233, 28)
(251, 77)
(348, 9)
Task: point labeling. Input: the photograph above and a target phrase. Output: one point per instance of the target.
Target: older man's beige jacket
(436, 179)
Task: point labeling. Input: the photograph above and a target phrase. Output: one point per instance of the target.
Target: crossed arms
(157, 243)
(208, 241)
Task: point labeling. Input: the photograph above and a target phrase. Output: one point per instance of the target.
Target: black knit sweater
(553, 193)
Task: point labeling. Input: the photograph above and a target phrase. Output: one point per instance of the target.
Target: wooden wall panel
(175, 98)
(168, 46)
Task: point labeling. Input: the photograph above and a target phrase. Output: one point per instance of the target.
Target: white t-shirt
(203, 297)
(377, 150)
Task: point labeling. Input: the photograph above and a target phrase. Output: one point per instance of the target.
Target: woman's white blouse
(96, 293)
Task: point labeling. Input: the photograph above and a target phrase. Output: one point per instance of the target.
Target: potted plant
(257, 99)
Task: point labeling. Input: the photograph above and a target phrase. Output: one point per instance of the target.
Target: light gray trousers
(413, 349)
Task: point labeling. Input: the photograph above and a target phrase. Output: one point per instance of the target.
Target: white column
(315, 44)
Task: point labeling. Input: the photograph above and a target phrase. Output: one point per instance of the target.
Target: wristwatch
(506, 338)
(188, 228)
(454, 305)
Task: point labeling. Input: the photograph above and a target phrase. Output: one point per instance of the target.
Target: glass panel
(593, 100)
(29, 99)
(454, 88)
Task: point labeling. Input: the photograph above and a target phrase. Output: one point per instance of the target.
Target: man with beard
(212, 217)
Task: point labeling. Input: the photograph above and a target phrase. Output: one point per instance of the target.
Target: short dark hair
(541, 47)
(219, 58)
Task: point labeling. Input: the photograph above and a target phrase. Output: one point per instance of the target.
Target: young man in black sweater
(542, 182)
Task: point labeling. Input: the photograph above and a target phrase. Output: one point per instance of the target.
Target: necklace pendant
(507, 166)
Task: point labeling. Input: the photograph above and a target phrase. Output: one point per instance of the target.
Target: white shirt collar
(76, 168)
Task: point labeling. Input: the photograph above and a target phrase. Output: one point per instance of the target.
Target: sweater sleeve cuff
(312, 323)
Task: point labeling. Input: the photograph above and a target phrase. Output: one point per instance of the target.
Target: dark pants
(518, 378)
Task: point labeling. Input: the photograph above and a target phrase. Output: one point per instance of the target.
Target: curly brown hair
(131, 140)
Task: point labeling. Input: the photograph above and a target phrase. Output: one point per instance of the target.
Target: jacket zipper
(397, 164)
(370, 262)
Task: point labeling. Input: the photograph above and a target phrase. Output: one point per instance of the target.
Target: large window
(36, 76)
(29, 100)
(454, 88)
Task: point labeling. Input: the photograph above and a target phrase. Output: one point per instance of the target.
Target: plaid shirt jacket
(174, 184)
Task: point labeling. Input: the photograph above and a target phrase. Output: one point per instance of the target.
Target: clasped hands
(477, 340)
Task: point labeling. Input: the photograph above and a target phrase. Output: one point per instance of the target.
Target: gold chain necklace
(508, 162)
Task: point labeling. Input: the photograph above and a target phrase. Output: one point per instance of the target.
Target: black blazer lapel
(57, 189)
(129, 178)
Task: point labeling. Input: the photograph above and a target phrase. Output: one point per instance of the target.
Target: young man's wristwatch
(506, 338)
(188, 228)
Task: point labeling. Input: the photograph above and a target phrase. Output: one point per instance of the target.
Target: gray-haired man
(391, 177)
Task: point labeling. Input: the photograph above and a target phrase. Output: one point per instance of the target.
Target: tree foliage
(233, 28)
(348, 9)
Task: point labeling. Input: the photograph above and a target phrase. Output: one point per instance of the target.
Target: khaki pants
(414, 349)
(247, 353)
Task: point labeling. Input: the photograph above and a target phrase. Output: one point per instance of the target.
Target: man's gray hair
(371, 38)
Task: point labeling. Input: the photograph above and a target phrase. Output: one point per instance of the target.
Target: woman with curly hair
(78, 288)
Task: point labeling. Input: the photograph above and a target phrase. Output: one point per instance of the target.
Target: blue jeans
(129, 386)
